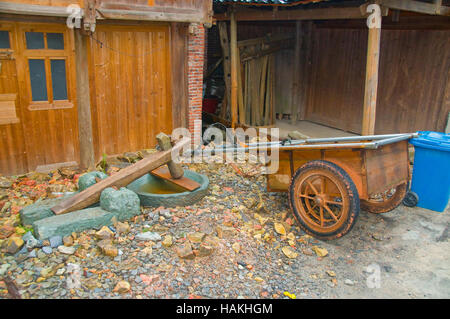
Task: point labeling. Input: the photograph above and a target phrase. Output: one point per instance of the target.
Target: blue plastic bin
(431, 172)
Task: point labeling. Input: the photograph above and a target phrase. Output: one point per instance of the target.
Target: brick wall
(196, 56)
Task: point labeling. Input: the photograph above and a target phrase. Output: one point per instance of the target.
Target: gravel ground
(238, 235)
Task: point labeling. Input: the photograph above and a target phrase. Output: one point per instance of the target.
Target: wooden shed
(330, 68)
(83, 78)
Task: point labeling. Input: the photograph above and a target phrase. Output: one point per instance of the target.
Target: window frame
(47, 55)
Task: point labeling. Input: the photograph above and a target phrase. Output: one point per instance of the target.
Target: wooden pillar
(180, 92)
(234, 69)
(225, 44)
(296, 74)
(371, 86)
(83, 102)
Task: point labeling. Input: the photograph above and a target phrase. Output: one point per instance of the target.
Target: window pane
(38, 80)
(59, 86)
(35, 40)
(4, 40)
(55, 41)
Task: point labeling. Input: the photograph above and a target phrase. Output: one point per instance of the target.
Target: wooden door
(43, 78)
(12, 145)
(130, 87)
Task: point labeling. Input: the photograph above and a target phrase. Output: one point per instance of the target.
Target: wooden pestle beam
(122, 178)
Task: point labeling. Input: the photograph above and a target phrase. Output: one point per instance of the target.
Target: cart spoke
(313, 188)
(306, 196)
(333, 202)
(321, 216)
(331, 213)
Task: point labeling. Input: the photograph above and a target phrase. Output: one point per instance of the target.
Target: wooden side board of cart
(328, 180)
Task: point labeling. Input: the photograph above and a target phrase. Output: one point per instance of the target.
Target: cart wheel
(411, 199)
(385, 202)
(324, 200)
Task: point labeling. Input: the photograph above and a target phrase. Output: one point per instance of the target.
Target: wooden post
(225, 44)
(234, 70)
(371, 86)
(83, 102)
(296, 74)
(180, 92)
(175, 169)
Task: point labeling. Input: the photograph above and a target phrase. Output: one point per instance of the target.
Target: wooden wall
(46, 134)
(413, 80)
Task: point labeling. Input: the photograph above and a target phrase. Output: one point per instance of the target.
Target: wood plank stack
(255, 77)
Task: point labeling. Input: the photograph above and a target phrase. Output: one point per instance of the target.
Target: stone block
(64, 225)
(88, 179)
(123, 203)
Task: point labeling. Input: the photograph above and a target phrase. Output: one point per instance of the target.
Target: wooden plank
(386, 167)
(164, 173)
(371, 84)
(297, 14)
(87, 159)
(122, 178)
(417, 6)
(33, 9)
(234, 71)
(141, 15)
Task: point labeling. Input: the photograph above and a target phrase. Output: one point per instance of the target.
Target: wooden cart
(328, 180)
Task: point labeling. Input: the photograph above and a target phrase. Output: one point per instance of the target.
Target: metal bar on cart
(380, 140)
(385, 137)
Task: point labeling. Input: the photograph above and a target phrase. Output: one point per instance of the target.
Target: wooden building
(83, 78)
(339, 72)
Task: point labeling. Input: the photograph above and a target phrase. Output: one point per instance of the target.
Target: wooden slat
(184, 182)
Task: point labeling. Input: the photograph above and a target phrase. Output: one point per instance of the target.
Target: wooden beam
(297, 14)
(33, 9)
(234, 70)
(85, 135)
(265, 40)
(182, 15)
(417, 6)
(371, 85)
